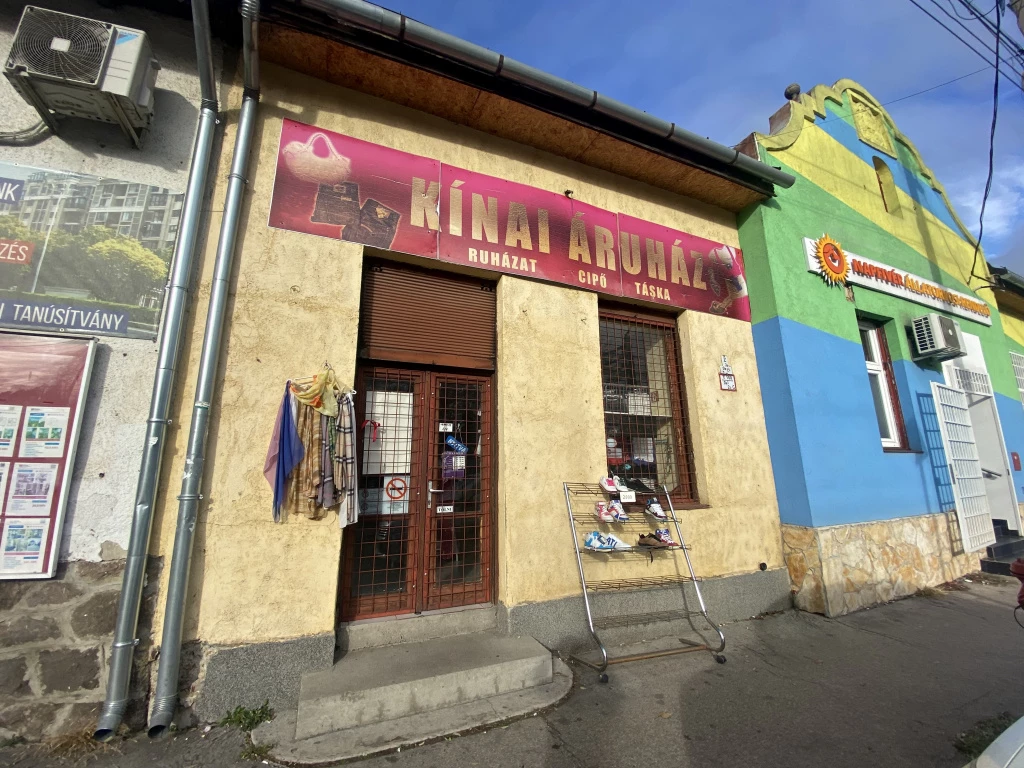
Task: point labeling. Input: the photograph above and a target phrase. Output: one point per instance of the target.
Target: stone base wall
(55, 637)
(837, 569)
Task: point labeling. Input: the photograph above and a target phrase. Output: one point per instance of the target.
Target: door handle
(431, 490)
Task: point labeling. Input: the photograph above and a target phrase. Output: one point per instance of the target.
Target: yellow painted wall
(734, 474)
(1013, 324)
(295, 304)
(550, 430)
(825, 162)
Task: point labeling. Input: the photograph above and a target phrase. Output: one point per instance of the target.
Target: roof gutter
(1008, 280)
(460, 60)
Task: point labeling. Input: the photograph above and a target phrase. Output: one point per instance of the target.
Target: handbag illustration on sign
(305, 164)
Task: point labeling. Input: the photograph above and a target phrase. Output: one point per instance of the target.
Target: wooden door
(424, 537)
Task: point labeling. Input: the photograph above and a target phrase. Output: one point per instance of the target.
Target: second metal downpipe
(166, 695)
(175, 305)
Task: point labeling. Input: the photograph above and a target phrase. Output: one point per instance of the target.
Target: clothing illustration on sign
(337, 199)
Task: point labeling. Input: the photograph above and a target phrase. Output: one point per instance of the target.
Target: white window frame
(877, 368)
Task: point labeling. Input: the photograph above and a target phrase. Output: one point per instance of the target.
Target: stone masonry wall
(839, 569)
(55, 639)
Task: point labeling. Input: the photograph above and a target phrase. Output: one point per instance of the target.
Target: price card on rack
(627, 497)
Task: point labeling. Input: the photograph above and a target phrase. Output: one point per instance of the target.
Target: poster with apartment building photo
(83, 254)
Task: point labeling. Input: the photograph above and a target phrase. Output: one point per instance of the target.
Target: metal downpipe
(175, 305)
(166, 695)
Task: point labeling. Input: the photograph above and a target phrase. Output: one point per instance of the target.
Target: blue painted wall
(829, 465)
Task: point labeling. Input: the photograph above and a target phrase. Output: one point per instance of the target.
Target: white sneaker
(602, 513)
(617, 511)
(608, 484)
(654, 509)
(619, 486)
(614, 542)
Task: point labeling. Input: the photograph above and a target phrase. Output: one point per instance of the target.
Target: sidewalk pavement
(890, 686)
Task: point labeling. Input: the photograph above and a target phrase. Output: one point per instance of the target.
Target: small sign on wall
(726, 378)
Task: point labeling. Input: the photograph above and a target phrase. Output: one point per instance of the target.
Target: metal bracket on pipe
(159, 421)
(190, 497)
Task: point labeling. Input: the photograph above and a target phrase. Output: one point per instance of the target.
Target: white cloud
(1003, 209)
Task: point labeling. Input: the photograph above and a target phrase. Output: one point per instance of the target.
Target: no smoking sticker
(396, 488)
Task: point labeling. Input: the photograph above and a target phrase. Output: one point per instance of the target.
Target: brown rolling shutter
(415, 315)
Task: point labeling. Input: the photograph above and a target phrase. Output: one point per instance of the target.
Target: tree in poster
(111, 267)
(130, 270)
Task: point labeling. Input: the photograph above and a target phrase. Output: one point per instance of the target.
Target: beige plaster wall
(740, 528)
(550, 430)
(838, 569)
(295, 303)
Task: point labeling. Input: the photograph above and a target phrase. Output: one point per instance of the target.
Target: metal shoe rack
(580, 499)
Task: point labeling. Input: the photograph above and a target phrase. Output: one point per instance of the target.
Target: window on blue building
(883, 386)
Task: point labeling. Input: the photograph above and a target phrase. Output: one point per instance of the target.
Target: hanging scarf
(284, 453)
(303, 490)
(346, 472)
(320, 394)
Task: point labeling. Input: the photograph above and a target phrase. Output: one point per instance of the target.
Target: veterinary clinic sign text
(337, 186)
(897, 282)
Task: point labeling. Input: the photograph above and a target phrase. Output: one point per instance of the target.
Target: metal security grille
(424, 537)
(379, 577)
(965, 471)
(1018, 372)
(458, 551)
(646, 431)
(975, 382)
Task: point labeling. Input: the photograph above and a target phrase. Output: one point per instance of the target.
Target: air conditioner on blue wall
(66, 65)
(937, 337)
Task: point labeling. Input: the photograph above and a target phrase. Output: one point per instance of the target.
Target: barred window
(646, 433)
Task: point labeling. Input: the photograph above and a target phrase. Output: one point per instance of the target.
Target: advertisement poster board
(43, 383)
(83, 254)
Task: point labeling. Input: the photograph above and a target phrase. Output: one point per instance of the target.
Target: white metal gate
(965, 473)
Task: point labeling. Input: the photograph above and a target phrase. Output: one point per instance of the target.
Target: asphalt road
(891, 686)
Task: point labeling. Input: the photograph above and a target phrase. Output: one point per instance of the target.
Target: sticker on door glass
(455, 445)
(445, 509)
(444, 426)
(453, 466)
(392, 498)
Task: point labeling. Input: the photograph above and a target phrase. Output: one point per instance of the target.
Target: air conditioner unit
(68, 65)
(937, 337)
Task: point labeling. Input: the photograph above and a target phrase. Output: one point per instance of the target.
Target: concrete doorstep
(378, 699)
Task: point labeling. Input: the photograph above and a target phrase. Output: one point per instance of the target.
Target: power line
(984, 44)
(991, 149)
(1008, 42)
(1016, 81)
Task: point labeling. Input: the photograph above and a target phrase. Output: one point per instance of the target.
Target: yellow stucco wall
(295, 304)
(740, 529)
(1013, 324)
(550, 430)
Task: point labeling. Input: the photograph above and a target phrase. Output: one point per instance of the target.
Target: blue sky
(720, 69)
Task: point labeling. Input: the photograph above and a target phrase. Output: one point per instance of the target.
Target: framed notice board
(43, 382)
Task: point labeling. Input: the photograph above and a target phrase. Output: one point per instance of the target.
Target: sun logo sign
(835, 267)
